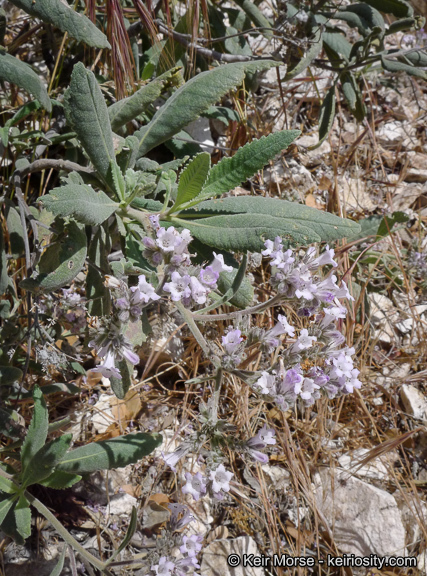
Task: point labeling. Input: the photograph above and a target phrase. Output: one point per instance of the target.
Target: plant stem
(238, 313)
(189, 318)
(66, 535)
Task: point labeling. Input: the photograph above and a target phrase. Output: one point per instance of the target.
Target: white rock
(364, 519)
(417, 168)
(422, 563)
(122, 504)
(414, 401)
(102, 416)
(374, 469)
(276, 477)
(356, 195)
(214, 560)
(383, 317)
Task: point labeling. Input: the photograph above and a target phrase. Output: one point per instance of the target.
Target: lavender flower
(220, 479)
(232, 340)
(304, 341)
(191, 545)
(179, 287)
(195, 485)
(164, 568)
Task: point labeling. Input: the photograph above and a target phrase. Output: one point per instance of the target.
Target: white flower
(343, 365)
(308, 387)
(231, 340)
(267, 435)
(179, 287)
(195, 485)
(265, 383)
(325, 258)
(336, 311)
(198, 291)
(220, 479)
(167, 239)
(146, 290)
(218, 264)
(191, 545)
(304, 341)
(287, 328)
(108, 368)
(164, 568)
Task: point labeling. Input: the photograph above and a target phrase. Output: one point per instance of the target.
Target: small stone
(374, 469)
(214, 560)
(122, 504)
(414, 401)
(358, 513)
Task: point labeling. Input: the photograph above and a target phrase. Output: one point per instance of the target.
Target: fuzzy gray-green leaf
(327, 115)
(37, 431)
(398, 8)
(60, 480)
(45, 460)
(87, 113)
(395, 66)
(107, 454)
(192, 179)
(314, 50)
(58, 13)
(196, 96)
(17, 72)
(230, 172)
(242, 224)
(80, 201)
(60, 262)
(126, 110)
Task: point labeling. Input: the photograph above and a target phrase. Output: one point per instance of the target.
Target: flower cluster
(186, 283)
(312, 362)
(112, 346)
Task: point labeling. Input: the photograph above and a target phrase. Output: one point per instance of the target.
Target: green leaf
(22, 514)
(327, 115)
(336, 41)
(60, 262)
(7, 486)
(230, 172)
(374, 227)
(353, 96)
(130, 532)
(37, 430)
(87, 114)
(361, 16)
(189, 101)
(245, 223)
(192, 179)
(98, 295)
(16, 72)
(4, 278)
(6, 505)
(60, 480)
(120, 386)
(45, 460)
(242, 291)
(115, 453)
(223, 114)
(66, 19)
(396, 66)
(16, 236)
(417, 58)
(256, 16)
(80, 201)
(401, 25)
(57, 571)
(314, 50)
(126, 110)
(398, 8)
(9, 375)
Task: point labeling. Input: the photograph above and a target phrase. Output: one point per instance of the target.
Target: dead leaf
(127, 409)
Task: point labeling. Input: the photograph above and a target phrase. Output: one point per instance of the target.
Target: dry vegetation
(361, 171)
